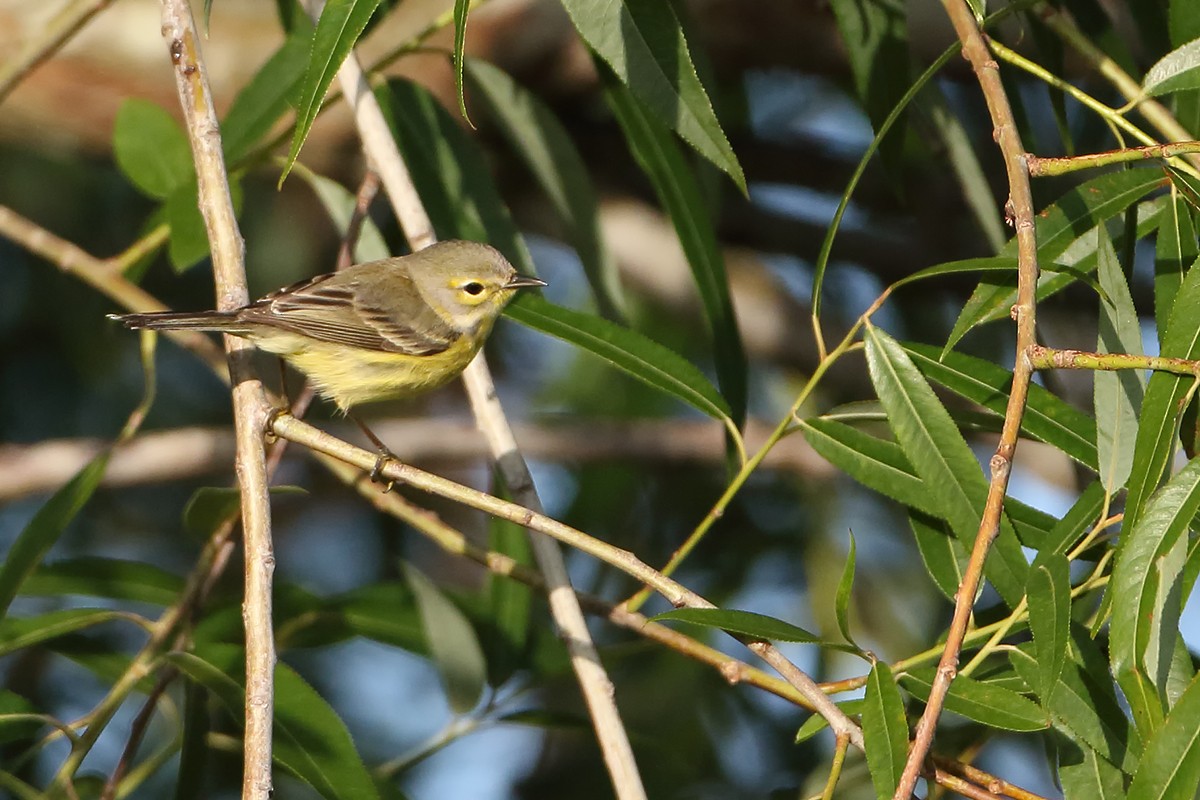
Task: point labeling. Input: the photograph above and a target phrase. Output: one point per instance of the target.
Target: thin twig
(63, 25)
(1020, 211)
(1039, 166)
(249, 401)
(1055, 358)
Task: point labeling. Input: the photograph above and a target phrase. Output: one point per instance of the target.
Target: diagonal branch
(1019, 209)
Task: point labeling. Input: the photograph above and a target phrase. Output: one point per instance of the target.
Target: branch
(1054, 358)
(1020, 210)
(249, 402)
(1039, 167)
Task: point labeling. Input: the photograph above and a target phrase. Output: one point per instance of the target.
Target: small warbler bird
(374, 331)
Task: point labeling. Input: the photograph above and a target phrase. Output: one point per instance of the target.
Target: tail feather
(180, 320)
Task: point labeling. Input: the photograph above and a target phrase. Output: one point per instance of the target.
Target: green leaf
(456, 55)
(1159, 420)
(452, 642)
(193, 745)
(1084, 706)
(189, 236)
(1170, 768)
(943, 555)
(509, 601)
(1175, 250)
(450, 172)
(816, 723)
(151, 149)
(1084, 775)
(1176, 71)
(942, 458)
(1049, 596)
(32, 544)
(1145, 592)
(1066, 236)
(875, 36)
(340, 25)
(19, 719)
(209, 507)
(18, 633)
(885, 730)
(679, 192)
(1118, 394)
(1074, 524)
(310, 741)
(339, 203)
(1047, 417)
(875, 463)
(269, 94)
(744, 623)
(845, 593)
(629, 351)
(644, 45)
(542, 143)
(982, 702)
(92, 576)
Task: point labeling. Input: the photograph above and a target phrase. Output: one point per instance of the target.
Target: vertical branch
(249, 403)
(1019, 210)
(597, 689)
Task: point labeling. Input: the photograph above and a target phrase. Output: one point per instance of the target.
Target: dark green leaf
(745, 623)
(1117, 393)
(816, 723)
(18, 633)
(1175, 250)
(1170, 768)
(845, 593)
(193, 747)
(1176, 71)
(32, 544)
(1074, 524)
(644, 45)
(1145, 592)
(209, 507)
(942, 458)
(456, 55)
(189, 236)
(885, 730)
(1047, 417)
(542, 143)
(982, 702)
(311, 741)
(943, 555)
(18, 718)
(1084, 775)
(452, 642)
(680, 195)
(151, 149)
(1049, 596)
(628, 350)
(268, 95)
(340, 25)
(875, 463)
(91, 576)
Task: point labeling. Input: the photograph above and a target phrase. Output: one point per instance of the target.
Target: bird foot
(385, 456)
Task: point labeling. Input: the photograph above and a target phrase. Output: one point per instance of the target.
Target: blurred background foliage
(798, 96)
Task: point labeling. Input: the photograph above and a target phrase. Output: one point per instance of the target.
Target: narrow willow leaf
(32, 544)
(18, 718)
(1170, 768)
(875, 35)
(943, 555)
(644, 45)
(1084, 774)
(982, 702)
(1145, 591)
(151, 149)
(1084, 706)
(1049, 596)
(845, 593)
(339, 203)
(193, 745)
(450, 172)
(1176, 71)
(1118, 393)
(1074, 524)
(816, 723)
(114, 579)
(680, 194)
(885, 730)
(310, 740)
(340, 25)
(1007, 265)
(629, 351)
(942, 458)
(1047, 417)
(1160, 410)
(745, 623)
(456, 55)
(1175, 250)
(452, 642)
(18, 633)
(1064, 226)
(542, 143)
(1186, 184)
(875, 463)
(268, 96)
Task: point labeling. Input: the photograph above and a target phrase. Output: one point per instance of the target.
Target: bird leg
(385, 455)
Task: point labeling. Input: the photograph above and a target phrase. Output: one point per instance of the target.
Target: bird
(374, 331)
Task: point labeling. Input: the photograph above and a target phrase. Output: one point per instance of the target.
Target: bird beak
(522, 281)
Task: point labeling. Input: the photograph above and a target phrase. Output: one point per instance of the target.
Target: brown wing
(341, 308)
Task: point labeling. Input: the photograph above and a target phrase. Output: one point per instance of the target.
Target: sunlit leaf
(1176, 71)
(151, 148)
(885, 730)
(1170, 768)
(1049, 596)
(269, 94)
(982, 702)
(845, 593)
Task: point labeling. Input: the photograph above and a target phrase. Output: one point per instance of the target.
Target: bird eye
(473, 288)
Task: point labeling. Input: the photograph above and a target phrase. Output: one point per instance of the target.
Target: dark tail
(180, 320)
